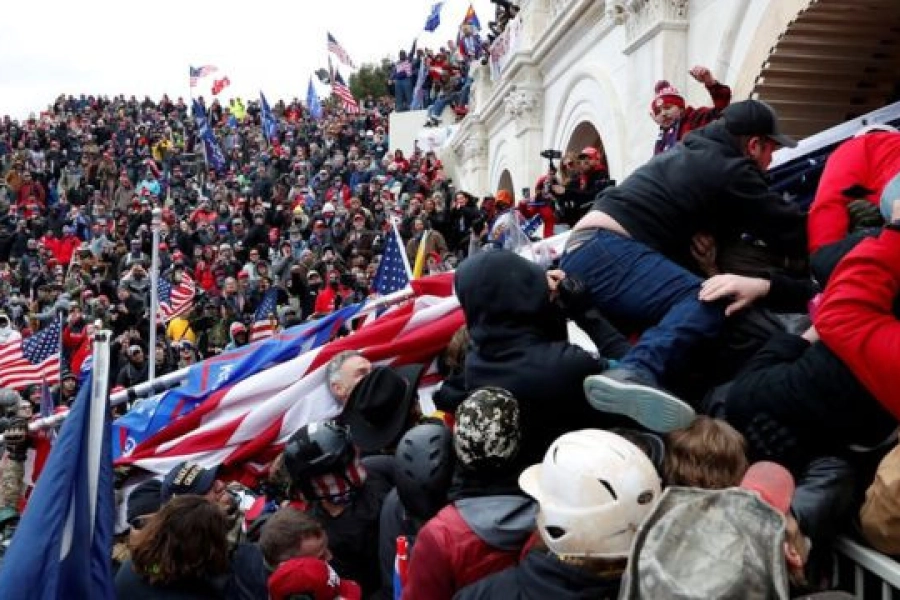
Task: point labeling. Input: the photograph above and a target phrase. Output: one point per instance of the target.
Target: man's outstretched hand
(740, 291)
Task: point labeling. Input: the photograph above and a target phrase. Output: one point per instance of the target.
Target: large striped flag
(176, 300)
(31, 361)
(200, 72)
(245, 424)
(262, 326)
(340, 89)
(335, 48)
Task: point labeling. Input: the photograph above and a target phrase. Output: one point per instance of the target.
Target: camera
(551, 154)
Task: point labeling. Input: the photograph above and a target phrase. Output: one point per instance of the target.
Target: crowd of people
(724, 428)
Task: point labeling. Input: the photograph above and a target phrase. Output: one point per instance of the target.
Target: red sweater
(869, 161)
(856, 321)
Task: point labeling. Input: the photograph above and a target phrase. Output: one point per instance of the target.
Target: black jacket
(519, 344)
(539, 576)
(705, 184)
(815, 396)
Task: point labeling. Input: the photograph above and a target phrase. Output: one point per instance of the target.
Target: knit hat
(666, 93)
(311, 578)
(487, 433)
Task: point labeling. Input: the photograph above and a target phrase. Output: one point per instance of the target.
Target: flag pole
(155, 222)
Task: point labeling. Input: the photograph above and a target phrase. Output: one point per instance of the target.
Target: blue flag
(312, 101)
(434, 19)
(214, 157)
(218, 373)
(63, 544)
(269, 124)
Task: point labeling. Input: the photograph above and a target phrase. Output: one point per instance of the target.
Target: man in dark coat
(519, 343)
(627, 250)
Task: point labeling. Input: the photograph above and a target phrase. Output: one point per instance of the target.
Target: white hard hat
(594, 489)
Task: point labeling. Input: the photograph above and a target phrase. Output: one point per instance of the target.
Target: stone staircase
(838, 59)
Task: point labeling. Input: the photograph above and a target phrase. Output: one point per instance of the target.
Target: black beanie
(144, 499)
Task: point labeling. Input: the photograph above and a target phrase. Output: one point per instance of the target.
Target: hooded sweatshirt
(519, 344)
(482, 532)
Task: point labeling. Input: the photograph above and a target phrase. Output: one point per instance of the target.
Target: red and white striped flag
(335, 48)
(263, 326)
(33, 360)
(200, 72)
(176, 300)
(246, 424)
(340, 89)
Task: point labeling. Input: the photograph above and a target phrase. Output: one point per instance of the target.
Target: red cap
(590, 151)
(243, 275)
(772, 482)
(310, 576)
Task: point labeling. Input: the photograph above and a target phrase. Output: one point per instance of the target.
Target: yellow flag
(420, 256)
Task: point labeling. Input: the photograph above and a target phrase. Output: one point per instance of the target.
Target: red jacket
(855, 318)
(448, 556)
(869, 161)
(696, 117)
(78, 346)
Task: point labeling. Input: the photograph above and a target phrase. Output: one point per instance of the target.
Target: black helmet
(424, 468)
(317, 449)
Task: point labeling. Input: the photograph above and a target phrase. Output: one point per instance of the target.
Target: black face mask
(315, 286)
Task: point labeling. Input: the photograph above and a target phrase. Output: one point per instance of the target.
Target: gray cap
(700, 544)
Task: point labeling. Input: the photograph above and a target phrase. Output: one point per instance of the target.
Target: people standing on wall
(675, 118)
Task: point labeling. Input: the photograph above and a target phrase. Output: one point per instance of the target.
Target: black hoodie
(519, 344)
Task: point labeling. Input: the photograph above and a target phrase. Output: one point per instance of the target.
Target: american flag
(335, 48)
(340, 89)
(393, 271)
(200, 72)
(246, 423)
(175, 300)
(33, 360)
(263, 327)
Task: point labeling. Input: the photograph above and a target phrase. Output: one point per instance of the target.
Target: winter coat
(541, 575)
(856, 320)
(465, 541)
(866, 163)
(519, 344)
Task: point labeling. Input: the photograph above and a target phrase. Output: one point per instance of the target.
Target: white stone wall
(597, 61)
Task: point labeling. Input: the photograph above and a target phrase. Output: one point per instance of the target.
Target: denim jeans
(628, 280)
(403, 92)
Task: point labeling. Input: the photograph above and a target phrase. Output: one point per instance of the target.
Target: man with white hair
(344, 371)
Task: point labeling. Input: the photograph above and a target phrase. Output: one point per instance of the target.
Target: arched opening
(837, 60)
(584, 135)
(506, 183)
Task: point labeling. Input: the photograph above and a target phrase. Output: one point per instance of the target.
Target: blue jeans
(628, 280)
(403, 92)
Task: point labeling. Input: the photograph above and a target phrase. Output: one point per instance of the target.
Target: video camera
(551, 154)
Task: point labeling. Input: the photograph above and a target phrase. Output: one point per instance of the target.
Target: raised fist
(703, 75)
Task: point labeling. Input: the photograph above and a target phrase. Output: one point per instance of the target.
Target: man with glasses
(628, 248)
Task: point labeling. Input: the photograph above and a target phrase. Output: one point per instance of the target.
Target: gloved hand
(17, 439)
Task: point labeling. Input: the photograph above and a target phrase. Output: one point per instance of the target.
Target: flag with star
(33, 360)
(394, 272)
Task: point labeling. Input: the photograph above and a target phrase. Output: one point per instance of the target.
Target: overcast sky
(50, 47)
